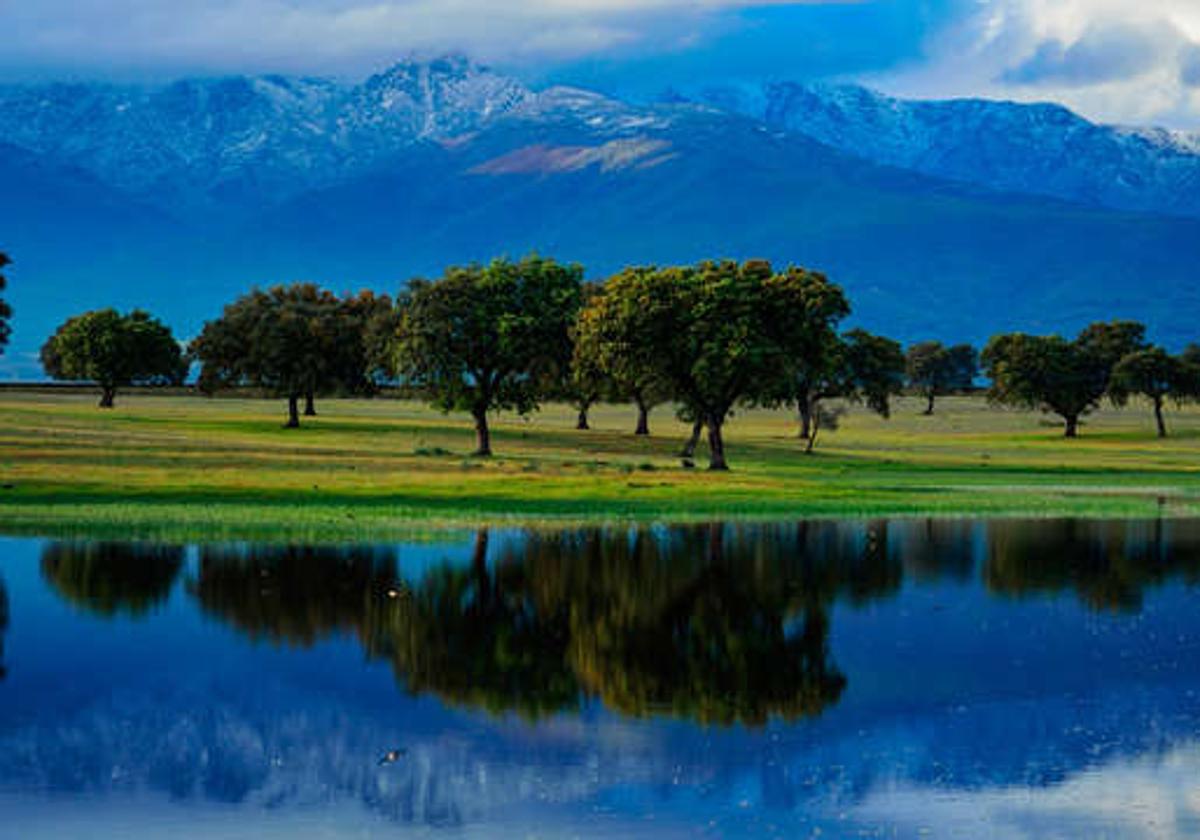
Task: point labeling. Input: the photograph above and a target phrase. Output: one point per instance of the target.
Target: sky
(1126, 61)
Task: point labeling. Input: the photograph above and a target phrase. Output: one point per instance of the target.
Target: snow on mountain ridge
(238, 144)
(1038, 149)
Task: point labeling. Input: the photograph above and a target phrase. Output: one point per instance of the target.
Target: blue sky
(1135, 61)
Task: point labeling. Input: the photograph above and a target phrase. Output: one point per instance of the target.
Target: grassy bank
(192, 468)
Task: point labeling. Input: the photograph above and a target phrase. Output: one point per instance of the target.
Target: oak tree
(1156, 375)
(286, 340)
(935, 370)
(486, 338)
(1067, 378)
(114, 350)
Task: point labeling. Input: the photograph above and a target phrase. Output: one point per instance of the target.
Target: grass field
(195, 468)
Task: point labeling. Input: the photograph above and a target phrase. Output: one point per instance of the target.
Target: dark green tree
(289, 341)
(1067, 378)
(611, 340)
(810, 308)
(578, 378)
(114, 350)
(5, 309)
(710, 333)
(1156, 375)
(365, 326)
(935, 370)
(862, 368)
(488, 338)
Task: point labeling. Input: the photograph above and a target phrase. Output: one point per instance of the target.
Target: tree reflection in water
(112, 578)
(3, 627)
(719, 624)
(293, 595)
(1109, 565)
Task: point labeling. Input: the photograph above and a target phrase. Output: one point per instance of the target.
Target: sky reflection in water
(1006, 679)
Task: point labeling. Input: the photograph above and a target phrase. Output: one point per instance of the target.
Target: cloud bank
(325, 35)
(1131, 61)
(1125, 61)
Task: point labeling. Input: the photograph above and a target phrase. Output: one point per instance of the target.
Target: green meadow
(189, 467)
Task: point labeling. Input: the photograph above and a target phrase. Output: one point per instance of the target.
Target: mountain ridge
(451, 163)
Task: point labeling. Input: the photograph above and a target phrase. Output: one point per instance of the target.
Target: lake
(888, 678)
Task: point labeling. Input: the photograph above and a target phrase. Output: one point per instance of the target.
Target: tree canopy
(486, 338)
(859, 367)
(935, 370)
(292, 341)
(1050, 373)
(713, 335)
(114, 350)
(1155, 374)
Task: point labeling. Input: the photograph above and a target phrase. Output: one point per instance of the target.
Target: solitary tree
(288, 340)
(5, 309)
(114, 350)
(935, 370)
(1156, 375)
(486, 338)
(1067, 378)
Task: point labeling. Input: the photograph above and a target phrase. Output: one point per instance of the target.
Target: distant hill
(177, 198)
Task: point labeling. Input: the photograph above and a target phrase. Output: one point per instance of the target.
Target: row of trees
(1070, 378)
(707, 338)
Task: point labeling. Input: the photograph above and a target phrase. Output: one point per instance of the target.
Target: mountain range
(942, 219)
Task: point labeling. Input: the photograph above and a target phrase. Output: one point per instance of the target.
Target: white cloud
(316, 35)
(1125, 61)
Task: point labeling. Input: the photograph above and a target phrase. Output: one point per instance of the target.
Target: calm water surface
(895, 679)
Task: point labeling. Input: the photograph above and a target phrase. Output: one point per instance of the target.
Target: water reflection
(293, 595)
(1108, 564)
(878, 678)
(717, 624)
(112, 578)
(3, 626)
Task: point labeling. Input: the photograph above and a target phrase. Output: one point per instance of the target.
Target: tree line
(707, 338)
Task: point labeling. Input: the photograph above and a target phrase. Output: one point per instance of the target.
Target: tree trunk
(107, 396)
(483, 435)
(310, 408)
(814, 428)
(643, 421)
(581, 424)
(1158, 417)
(929, 405)
(716, 446)
(805, 411)
(1072, 427)
(689, 448)
(293, 421)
